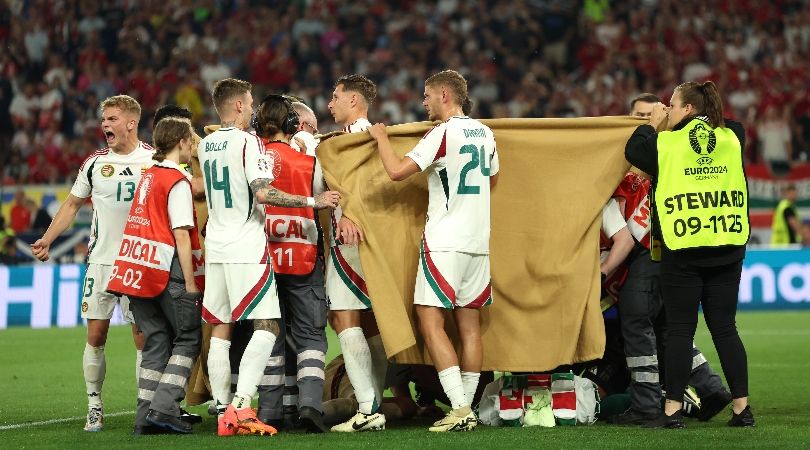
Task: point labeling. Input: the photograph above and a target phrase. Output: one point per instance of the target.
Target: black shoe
(142, 430)
(713, 404)
(291, 420)
(312, 420)
(744, 419)
(167, 422)
(632, 417)
(665, 421)
(690, 406)
(190, 418)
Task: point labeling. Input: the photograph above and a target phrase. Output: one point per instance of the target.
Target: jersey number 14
(479, 161)
(213, 182)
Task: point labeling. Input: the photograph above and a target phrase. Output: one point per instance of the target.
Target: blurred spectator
(24, 106)
(805, 232)
(36, 42)
(41, 217)
(212, 70)
(20, 213)
(5, 231)
(547, 58)
(77, 256)
(8, 251)
(50, 105)
(773, 133)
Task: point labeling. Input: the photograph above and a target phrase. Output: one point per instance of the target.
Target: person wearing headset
(297, 253)
(700, 214)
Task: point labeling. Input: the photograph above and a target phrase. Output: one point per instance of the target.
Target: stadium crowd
(541, 58)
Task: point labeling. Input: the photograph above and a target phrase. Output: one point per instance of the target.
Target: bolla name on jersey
(216, 146)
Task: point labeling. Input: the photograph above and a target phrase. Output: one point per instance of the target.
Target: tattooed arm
(266, 193)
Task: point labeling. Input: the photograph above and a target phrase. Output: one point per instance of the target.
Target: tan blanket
(555, 176)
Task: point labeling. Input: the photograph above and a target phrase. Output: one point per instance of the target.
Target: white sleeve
(494, 165)
(181, 209)
(612, 219)
(309, 141)
(81, 187)
(318, 183)
(257, 164)
(430, 148)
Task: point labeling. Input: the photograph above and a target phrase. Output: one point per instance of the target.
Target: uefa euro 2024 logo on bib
(703, 140)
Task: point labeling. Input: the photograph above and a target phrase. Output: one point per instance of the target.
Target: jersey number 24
(479, 161)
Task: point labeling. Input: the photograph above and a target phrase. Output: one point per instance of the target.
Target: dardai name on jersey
(474, 132)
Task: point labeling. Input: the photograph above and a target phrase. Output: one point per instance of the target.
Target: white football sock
(470, 382)
(450, 379)
(379, 364)
(251, 367)
(357, 357)
(94, 364)
(219, 370)
(138, 359)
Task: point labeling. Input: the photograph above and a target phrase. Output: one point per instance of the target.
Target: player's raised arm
(61, 221)
(397, 168)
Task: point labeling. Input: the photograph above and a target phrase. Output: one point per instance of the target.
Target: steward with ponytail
(697, 153)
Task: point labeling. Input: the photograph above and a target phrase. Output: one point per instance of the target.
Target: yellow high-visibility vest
(701, 195)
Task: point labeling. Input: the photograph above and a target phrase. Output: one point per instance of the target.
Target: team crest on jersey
(107, 170)
(271, 160)
(143, 191)
(85, 307)
(144, 169)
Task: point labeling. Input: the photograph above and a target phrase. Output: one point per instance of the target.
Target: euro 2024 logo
(703, 141)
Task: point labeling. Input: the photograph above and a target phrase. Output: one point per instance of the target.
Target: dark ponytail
(714, 104)
(705, 98)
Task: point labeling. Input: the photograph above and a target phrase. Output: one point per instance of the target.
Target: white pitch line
(53, 421)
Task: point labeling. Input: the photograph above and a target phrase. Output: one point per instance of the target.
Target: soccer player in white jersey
(345, 283)
(239, 272)
(453, 273)
(108, 177)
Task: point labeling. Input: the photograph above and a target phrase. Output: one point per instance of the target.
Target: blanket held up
(555, 176)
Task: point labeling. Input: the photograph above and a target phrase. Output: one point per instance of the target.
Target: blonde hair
(125, 103)
(455, 82)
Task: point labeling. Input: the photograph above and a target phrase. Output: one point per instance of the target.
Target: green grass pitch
(40, 380)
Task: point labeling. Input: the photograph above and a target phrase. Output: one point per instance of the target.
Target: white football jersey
(109, 179)
(359, 125)
(231, 159)
(462, 156)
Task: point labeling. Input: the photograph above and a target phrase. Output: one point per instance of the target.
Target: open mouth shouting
(109, 136)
